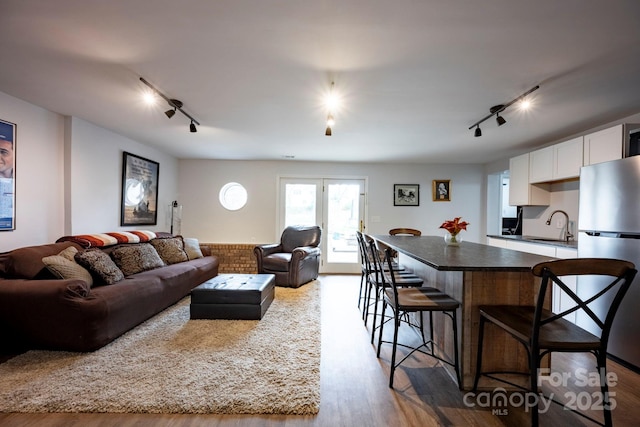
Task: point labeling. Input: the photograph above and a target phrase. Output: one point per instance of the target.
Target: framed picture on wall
(441, 190)
(139, 190)
(7, 176)
(406, 195)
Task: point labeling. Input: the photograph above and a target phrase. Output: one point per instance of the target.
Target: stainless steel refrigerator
(609, 226)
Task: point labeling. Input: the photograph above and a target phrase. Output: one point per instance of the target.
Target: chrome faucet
(567, 234)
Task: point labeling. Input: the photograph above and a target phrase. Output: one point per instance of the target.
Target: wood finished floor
(354, 389)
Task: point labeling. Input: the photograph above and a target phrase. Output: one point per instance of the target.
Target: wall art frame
(8, 132)
(441, 190)
(406, 195)
(139, 204)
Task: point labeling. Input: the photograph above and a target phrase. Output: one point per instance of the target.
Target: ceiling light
(331, 103)
(330, 120)
(175, 104)
(331, 100)
(330, 123)
(497, 109)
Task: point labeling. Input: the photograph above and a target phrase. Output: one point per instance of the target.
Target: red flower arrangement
(455, 226)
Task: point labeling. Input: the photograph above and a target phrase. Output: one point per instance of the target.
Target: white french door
(337, 205)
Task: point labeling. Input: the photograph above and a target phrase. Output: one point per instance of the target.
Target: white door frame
(321, 216)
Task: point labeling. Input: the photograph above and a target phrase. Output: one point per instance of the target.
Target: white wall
(38, 173)
(203, 216)
(96, 179)
(68, 176)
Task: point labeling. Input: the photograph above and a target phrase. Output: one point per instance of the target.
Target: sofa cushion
(170, 250)
(100, 265)
(26, 262)
(192, 247)
(132, 259)
(64, 266)
(277, 262)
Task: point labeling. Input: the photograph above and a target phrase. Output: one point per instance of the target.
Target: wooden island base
(475, 275)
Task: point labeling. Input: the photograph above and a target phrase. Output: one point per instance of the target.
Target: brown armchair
(295, 260)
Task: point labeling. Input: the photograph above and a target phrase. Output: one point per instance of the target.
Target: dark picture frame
(406, 195)
(139, 204)
(7, 176)
(441, 190)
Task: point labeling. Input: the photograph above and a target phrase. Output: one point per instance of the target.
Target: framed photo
(7, 176)
(441, 190)
(406, 195)
(139, 190)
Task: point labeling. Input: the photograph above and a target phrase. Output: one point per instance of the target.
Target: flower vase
(452, 239)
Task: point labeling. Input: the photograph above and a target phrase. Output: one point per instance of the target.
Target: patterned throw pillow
(192, 248)
(170, 250)
(134, 258)
(69, 253)
(99, 264)
(64, 266)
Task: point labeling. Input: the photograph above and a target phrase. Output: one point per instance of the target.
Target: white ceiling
(413, 75)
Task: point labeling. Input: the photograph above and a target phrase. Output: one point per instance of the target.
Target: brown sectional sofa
(39, 311)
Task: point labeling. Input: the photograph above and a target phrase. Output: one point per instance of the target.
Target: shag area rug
(171, 364)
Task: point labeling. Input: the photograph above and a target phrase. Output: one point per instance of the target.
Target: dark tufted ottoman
(233, 296)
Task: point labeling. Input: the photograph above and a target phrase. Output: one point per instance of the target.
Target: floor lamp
(176, 216)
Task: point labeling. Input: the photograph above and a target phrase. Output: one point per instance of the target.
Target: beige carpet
(171, 364)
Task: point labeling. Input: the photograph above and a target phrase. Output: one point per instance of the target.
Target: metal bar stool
(402, 301)
(542, 332)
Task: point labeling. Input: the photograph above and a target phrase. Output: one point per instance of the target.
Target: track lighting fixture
(331, 103)
(497, 109)
(175, 104)
(330, 123)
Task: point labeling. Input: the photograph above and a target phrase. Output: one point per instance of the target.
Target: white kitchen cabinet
(562, 301)
(568, 159)
(541, 165)
(532, 248)
(557, 162)
(603, 145)
(498, 243)
(521, 193)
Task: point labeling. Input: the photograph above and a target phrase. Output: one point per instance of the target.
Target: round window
(233, 196)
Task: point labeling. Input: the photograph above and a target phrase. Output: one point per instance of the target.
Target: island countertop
(469, 256)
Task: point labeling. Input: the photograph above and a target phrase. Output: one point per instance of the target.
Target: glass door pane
(300, 204)
(343, 214)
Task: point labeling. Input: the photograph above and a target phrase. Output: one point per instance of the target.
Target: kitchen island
(474, 274)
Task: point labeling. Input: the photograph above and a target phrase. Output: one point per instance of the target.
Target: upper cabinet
(558, 162)
(604, 145)
(521, 192)
(541, 165)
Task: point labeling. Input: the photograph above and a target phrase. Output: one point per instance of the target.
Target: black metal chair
(377, 283)
(542, 332)
(406, 300)
(368, 278)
